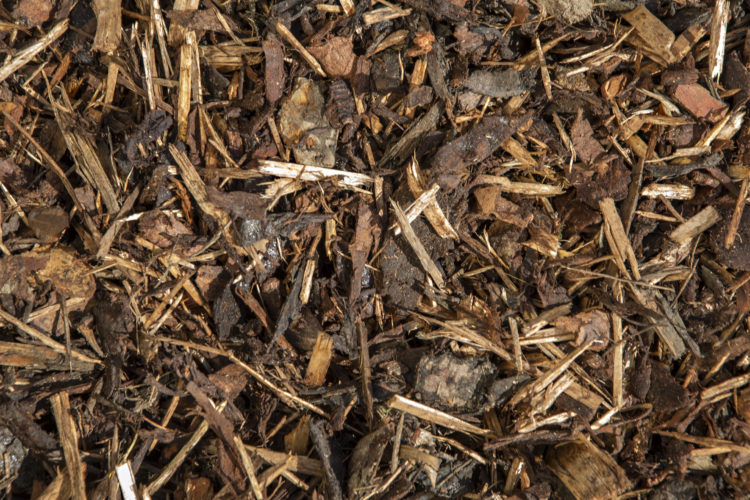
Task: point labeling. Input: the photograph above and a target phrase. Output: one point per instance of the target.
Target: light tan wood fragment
(312, 173)
(184, 90)
(438, 417)
(523, 188)
(34, 333)
(320, 360)
(247, 464)
(432, 210)
(518, 152)
(650, 34)
(588, 472)
(734, 222)
(376, 16)
(287, 35)
(58, 488)
(540, 384)
(108, 25)
(176, 30)
(411, 237)
(82, 148)
(695, 225)
(197, 188)
(299, 464)
(718, 38)
(684, 43)
(546, 82)
(623, 247)
(669, 191)
(168, 471)
(67, 429)
(28, 53)
(36, 357)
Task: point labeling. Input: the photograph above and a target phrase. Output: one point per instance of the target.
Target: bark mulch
(374, 249)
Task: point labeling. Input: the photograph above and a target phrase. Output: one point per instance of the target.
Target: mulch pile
(374, 249)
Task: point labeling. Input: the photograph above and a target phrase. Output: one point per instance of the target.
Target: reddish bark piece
(199, 20)
(33, 12)
(275, 76)
(238, 203)
(198, 488)
(608, 178)
(490, 201)
(584, 142)
(450, 164)
(699, 102)
(23, 276)
(161, 228)
(612, 87)
(48, 223)
(469, 42)
(586, 326)
(211, 281)
(336, 56)
(423, 41)
(365, 234)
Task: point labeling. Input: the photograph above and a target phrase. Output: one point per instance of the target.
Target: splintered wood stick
(320, 360)
(197, 187)
(348, 6)
(168, 471)
(66, 427)
(734, 223)
(108, 25)
(695, 225)
(524, 188)
(287, 35)
(28, 53)
(622, 246)
(669, 191)
(432, 210)
(127, 481)
(545, 72)
(417, 207)
(311, 173)
(44, 339)
(299, 464)
(247, 464)
(286, 397)
(435, 416)
(416, 245)
(718, 38)
(185, 84)
(58, 171)
(725, 387)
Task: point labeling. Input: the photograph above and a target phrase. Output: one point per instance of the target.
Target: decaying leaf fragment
(304, 127)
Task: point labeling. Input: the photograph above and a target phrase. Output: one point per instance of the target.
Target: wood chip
(695, 225)
(416, 245)
(67, 429)
(435, 416)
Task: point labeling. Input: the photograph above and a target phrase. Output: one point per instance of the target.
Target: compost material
(374, 249)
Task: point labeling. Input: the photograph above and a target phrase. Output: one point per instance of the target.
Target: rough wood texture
(374, 249)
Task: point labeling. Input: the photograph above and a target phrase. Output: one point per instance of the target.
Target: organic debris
(375, 249)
